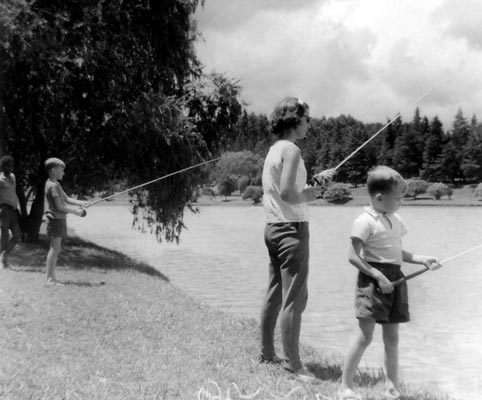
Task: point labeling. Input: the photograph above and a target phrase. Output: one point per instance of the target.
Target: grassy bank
(118, 329)
(461, 197)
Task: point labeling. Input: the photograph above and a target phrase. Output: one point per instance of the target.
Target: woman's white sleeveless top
(276, 209)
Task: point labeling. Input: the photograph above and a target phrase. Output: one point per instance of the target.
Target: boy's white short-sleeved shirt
(381, 235)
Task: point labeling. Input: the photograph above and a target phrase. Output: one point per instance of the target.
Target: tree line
(420, 148)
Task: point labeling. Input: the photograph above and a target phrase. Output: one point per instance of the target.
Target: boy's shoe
(273, 360)
(347, 394)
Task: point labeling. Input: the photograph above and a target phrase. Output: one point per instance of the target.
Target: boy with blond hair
(56, 212)
(376, 250)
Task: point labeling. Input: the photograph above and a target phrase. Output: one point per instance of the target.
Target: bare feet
(54, 282)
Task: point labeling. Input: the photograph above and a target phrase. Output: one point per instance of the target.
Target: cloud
(367, 58)
(462, 20)
(226, 15)
(301, 54)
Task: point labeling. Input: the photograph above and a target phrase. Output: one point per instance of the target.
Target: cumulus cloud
(462, 20)
(226, 15)
(369, 59)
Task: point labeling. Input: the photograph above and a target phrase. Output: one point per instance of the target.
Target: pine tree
(472, 161)
(432, 151)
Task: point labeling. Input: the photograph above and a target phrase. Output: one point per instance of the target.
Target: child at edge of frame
(376, 251)
(9, 211)
(56, 212)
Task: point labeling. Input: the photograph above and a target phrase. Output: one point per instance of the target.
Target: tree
(438, 190)
(255, 193)
(213, 104)
(385, 155)
(432, 151)
(242, 163)
(472, 156)
(356, 168)
(416, 187)
(101, 85)
(449, 163)
(406, 153)
(228, 185)
(337, 193)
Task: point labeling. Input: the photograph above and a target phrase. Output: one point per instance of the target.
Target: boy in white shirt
(376, 250)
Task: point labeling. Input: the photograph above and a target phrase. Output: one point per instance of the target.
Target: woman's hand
(326, 175)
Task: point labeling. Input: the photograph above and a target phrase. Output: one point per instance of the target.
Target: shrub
(243, 183)
(337, 193)
(255, 193)
(478, 192)
(416, 187)
(439, 189)
(228, 185)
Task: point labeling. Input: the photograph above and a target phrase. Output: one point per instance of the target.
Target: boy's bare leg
(390, 341)
(54, 251)
(8, 243)
(4, 243)
(355, 353)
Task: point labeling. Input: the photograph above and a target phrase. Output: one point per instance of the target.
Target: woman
(285, 198)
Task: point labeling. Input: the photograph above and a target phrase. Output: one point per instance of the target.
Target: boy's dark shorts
(371, 303)
(9, 217)
(56, 228)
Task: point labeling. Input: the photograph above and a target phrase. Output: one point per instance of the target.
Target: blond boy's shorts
(371, 303)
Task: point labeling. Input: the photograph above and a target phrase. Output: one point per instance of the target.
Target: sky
(368, 58)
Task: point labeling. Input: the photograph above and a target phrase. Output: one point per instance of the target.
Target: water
(222, 261)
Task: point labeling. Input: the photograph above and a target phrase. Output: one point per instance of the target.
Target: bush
(416, 187)
(243, 183)
(228, 185)
(478, 192)
(439, 189)
(255, 193)
(337, 193)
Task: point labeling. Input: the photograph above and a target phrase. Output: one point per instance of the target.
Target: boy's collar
(374, 213)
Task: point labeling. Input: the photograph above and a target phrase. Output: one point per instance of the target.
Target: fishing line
(413, 275)
(399, 114)
(154, 180)
(389, 123)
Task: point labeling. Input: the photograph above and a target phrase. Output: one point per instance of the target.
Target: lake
(222, 261)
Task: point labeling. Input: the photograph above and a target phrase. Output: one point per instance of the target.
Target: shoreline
(181, 355)
(236, 200)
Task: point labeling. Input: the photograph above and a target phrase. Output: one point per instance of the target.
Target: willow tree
(100, 84)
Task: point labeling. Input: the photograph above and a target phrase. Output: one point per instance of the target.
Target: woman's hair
(288, 114)
(382, 179)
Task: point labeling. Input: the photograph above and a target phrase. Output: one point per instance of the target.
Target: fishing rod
(154, 180)
(399, 114)
(417, 273)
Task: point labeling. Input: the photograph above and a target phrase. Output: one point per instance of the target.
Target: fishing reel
(320, 183)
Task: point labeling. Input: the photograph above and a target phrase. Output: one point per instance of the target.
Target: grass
(462, 196)
(119, 330)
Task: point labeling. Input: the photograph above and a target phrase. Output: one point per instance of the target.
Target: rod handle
(409, 276)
